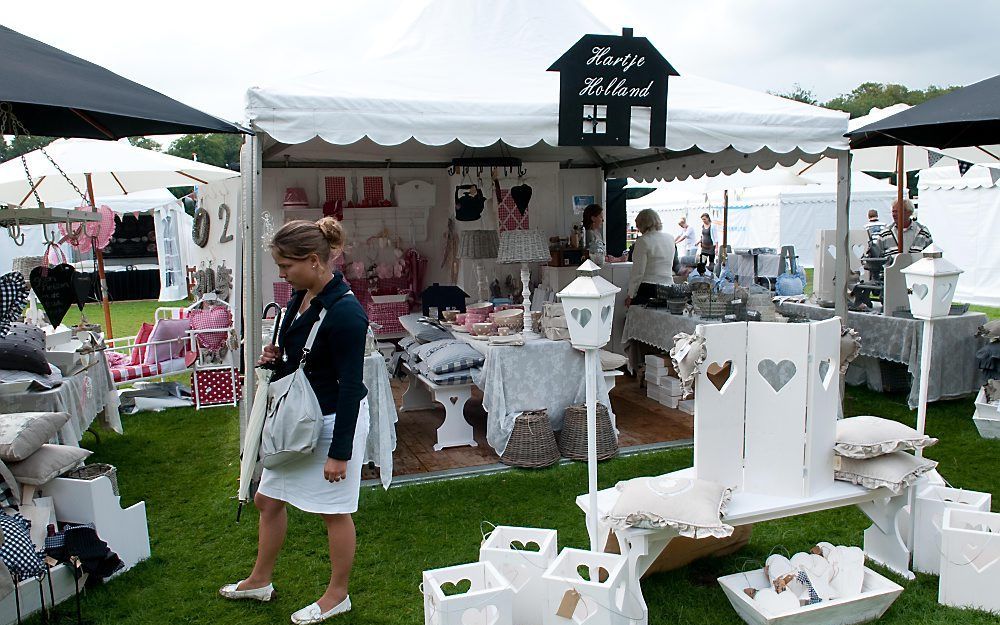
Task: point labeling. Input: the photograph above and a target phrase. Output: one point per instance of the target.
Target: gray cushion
(455, 378)
(49, 462)
(869, 437)
(893, 471)
(23, 433)
(23, 349)
(691, 507)
(423, 331)
(450, 356)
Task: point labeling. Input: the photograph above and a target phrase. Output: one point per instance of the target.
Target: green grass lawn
(183, 463)
(126, 317)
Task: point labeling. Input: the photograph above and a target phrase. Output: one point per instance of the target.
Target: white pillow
(869, 437)
(693, 507)
(894, 471)
(611, 361)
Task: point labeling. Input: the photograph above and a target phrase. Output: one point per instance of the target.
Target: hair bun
(333, 231)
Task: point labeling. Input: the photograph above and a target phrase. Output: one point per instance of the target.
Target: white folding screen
(720, 404)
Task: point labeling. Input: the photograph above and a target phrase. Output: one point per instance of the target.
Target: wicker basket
(573, 437)
(710, 305)
(94, 471)
(532, 444)
(24, 264)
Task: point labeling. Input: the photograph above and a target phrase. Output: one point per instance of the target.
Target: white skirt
(301, 482)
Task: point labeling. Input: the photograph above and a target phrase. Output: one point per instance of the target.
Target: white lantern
(931, 282)
(589, 301)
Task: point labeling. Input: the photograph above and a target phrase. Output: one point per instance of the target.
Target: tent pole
(900, 184)
(725, 228)
(253, 295)
(99, 255)
(842, 265)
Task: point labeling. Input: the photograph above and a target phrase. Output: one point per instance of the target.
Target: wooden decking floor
(641, 421)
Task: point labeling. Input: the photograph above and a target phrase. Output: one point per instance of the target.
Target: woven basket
(532, 444)
(573, 437)
(94, 471)
(24, 264)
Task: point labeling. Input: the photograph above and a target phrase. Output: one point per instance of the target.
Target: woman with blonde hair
(653, 256)
(328, 482)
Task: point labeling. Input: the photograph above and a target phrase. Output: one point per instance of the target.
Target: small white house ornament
(589, 301)
(931, 282)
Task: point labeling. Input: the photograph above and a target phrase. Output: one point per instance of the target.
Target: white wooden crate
(488, 600)
(986, 417)
(931, 504)
(970, 560)
(877, 594)
(510, 550)
(602, 596)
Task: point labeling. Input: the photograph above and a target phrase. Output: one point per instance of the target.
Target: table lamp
(523, 247)
(478, 245)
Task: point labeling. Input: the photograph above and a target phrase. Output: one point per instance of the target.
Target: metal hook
(451, 170)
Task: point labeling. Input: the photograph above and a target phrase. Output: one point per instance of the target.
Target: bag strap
(312, 337)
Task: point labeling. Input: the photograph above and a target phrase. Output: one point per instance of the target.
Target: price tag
(568, 604)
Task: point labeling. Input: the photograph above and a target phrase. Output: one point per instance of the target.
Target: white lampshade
(523, 246)
(931, 282)
(589, 301)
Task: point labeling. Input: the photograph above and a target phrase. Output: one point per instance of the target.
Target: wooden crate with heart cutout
(467, 594)
(970, 560)
(522, 554)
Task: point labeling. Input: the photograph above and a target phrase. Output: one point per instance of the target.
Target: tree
(220, 150)
(799, 94)
(145, 143)
(21, 144)
(869, 95)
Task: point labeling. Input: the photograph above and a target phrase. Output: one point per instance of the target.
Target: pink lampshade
(295, 197)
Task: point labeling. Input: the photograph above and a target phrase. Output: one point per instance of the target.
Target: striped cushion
(134, 372)
(450, 356)
(456, 378)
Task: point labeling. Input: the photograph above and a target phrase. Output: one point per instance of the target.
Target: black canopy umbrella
(965, 117)
(56, 94)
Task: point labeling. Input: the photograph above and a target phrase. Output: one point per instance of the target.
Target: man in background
(915, 236)
(687, 240)
(874, 226)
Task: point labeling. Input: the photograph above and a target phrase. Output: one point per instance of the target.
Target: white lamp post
(930, 283)
(523, 247)
(589, 301)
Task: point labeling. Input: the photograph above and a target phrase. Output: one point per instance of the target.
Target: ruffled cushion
(870, 437)
(692, 507)
(893, 471)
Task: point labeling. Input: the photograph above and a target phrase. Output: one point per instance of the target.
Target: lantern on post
(589, 301)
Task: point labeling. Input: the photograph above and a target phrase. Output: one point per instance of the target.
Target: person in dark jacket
(328, 482)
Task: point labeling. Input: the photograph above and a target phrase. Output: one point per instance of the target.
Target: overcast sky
(207, 53)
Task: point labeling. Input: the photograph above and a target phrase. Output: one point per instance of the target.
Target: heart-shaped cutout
(582, 316)
(832, 251)
(859, 251)
(460, 587)
(531, 545)
(453, 400)
(826, 372)
(13, 299)
(669, 486)
(979, 556)
(584, 572)
(776, 603)
(486, 615)
(605, 312)
(54, 290)
(521, 194)
(719, 374)
(920, 290)
(777, 374)
(946, 291)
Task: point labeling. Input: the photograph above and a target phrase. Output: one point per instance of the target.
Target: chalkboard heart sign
(13, 299)
(54, 290)
(521, 194)
(84, 284)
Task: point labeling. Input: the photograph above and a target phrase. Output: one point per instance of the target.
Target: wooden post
(843, 241)
(99, 255)
(725, 229)
(900, 185)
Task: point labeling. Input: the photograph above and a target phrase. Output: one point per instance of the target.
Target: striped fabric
(125, 373)
(450, 356)
(804, 580)
(455, 378)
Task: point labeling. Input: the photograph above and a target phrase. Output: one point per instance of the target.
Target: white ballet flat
(313, 614)
(264, 593)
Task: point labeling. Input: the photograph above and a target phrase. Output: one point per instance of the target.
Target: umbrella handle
(277, 320)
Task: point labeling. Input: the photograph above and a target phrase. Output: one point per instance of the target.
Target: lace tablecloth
(655, 327)
(540, 374)
(953, 358)
(85, 396)
(382, 417)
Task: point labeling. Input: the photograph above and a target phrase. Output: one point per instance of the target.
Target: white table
(641, 547)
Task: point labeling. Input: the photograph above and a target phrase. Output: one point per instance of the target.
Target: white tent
(172, 226)
(771, 216)
(963, 215)
(453, 78)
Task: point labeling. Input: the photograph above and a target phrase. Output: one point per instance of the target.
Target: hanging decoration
(469, 202)
(13, 300)
(202, 225)
(55, 291)
(933, 158)
(994, 174)
(85, 236)
(521, 194)
(964, 167)
(85, 286)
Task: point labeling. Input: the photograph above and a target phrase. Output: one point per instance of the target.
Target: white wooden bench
(883, 540)
(421, 394)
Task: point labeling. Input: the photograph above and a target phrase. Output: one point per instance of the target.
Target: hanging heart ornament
(83, 286)
(521, 194)
(54, 289)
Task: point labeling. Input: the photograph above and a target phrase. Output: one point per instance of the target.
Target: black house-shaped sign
(601, 78)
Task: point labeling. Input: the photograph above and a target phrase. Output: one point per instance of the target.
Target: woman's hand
(270, 356)
(334, 470)
(628, 302)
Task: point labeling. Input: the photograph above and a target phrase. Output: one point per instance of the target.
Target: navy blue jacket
(335, 366)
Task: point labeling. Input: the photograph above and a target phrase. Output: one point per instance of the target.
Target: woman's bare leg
(342, 539)
(270, 538)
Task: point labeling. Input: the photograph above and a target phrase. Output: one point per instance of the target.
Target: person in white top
(652, 258)
(687, 240)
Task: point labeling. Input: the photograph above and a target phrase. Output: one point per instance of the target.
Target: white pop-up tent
(172, 227)
(963, 215)
(772, 215)
(453, 78)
